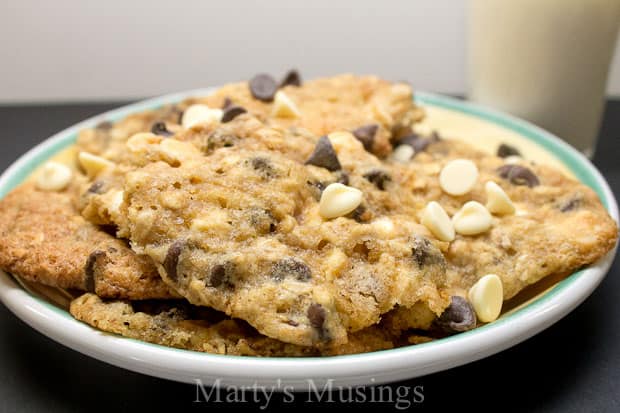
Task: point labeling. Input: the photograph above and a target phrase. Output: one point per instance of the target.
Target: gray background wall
(114, 49)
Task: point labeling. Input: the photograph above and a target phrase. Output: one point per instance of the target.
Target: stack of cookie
(288, 219)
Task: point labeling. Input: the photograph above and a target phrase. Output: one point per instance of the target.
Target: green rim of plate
(563, 152)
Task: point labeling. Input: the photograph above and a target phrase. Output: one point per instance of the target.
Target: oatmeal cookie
(559, 224)
(239, 230)
(175, 323)
(372, 108)
(44, 239)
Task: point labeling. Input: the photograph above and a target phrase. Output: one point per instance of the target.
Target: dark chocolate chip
(570, 205)
(518, 175)
(221, 276)
(96, 187)
(263, 166)
(458, 317)
(262, 220)
(231, 112)
(218, 275)
(359, 214)
(89, 269)
(227, 103)
(292, 78)
(324, 155)
(220, 138)
(417, 142)
(159, 128)
(378, 177)
(263, 87)
(366, 134)
(504, 151)
(425, 253)
(316, 315)
(172, 258)
(290, 268)
(106, 125)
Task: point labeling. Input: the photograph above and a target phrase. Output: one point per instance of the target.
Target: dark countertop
(574, 366)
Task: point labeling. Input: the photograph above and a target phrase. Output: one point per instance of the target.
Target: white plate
(361, 369)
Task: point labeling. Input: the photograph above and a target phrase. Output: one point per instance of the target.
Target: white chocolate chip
(338, 200)
(403, 153)
(487, 296)
(93, 164)
(141, 141)
(384, 226)
(513, 159)
(199, 113)
(473, 218)
(54, 176)
(435, 218)
(284, 107)
(116, 202)
(498, 202)
(458, 176)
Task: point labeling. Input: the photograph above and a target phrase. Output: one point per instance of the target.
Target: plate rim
(367, 368)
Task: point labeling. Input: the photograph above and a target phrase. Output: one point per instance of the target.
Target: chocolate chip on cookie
(290, 267)
(89, 269)
(96, 187)
(227, 102)
(378, 177)
(231, 112)
(316, 315)
(426, 253)
(264, 167)
(172, 258)
(324, 155)
(570, 205)
(263, 220)
(159, 128)
(221, 276)
(459, 316)
(504, 151)
(366, 134)
(263, 87)
(292, 78)
(419, 143)
(518, 175)
(220, 138)
(360, 214)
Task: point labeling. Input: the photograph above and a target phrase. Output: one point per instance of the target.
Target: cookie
(241, 231)
(559, 224)
(372, 108)
(175, 323)
(44, 239)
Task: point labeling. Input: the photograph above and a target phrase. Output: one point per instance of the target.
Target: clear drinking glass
(546, 61)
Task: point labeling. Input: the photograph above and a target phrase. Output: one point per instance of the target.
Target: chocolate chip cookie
(176, 323)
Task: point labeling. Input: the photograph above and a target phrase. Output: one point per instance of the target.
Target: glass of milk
(545, 61)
